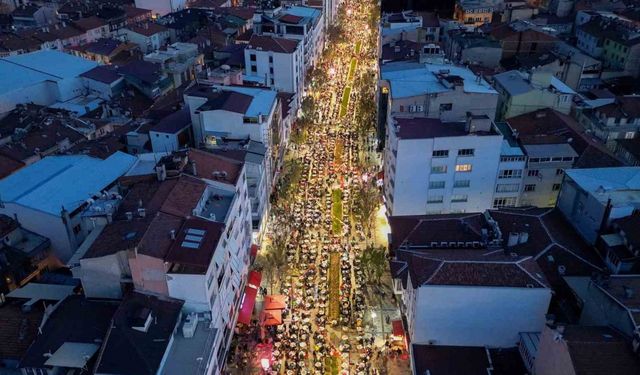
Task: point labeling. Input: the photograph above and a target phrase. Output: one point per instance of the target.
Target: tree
(276, 257)
(366, 204)
(373, 262)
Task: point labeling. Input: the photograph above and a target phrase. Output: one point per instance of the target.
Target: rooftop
(63, 181)
(216, 167)
(102, 73)
(18, 329)
(446, 360)
(274, 44)
(28, 69)
(518, 83)
(415, 79)
(75, 320)
(597, 350)
(173, 123)
(620, 184)
(194, 246)
(147, 29)
(128, 338)
(186, 352)
(426, 128)
(556, 247)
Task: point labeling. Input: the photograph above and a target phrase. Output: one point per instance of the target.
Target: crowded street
(318, 321)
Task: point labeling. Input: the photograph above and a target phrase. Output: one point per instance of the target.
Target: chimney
(194, 170)
(628, 292)
(161, 172)
(172, 234)
(129, 215)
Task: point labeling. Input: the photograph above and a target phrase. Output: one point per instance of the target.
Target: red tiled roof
(184, 197)
(147, 29)
(290, 18)
(192, 252)
(208, 163)
(269, 43)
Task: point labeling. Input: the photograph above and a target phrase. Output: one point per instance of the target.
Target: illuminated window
(463, 168)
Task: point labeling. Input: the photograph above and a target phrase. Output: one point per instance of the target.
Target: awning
(246, 308)
(271, 318)
(254, 251)
(396, 328)
(254, 279)
(275, 302)
(381, 175)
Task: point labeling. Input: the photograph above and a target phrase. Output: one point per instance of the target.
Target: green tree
(366, 204)
(276, 258)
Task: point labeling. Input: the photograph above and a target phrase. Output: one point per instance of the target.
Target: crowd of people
(319, 332)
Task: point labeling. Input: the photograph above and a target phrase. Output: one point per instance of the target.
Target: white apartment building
(433, 167)
(277, 63)
(472, 303)
(294, 22)
(187, 237)
(439, 91)
(223, 114)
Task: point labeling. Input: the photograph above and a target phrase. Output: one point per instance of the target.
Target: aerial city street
(321, 187)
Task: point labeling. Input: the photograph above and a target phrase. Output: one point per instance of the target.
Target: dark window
(531, 187)
(440, 153)
(254, 69)
(446, 107)
(252, 57)
(533, 173)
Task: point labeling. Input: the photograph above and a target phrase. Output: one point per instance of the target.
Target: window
(254, 69)
(510, 173)
(462, 183)
(629, 135)
(459, 198)
(530, 187)
(435, 199)
(446, 107)
(559, 172)
(533, 172)
(436, 185)
(463, 168)
(271, 70)
(440, 153)
(504, 202)
(507, 188)
(77, 229)
(545, 160)
(439, 169)
(466, 152)
(252, 57)
(556, 187)
(270, 59)
(568, 158)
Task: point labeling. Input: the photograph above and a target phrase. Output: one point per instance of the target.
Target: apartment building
(474, 13)
(183, 230)
(301, 23)
(521, 93)
(180, 61)
(276, 62)
(440, 91)
(592, 198)
(49, 196)
(436, 167)
(613, 121)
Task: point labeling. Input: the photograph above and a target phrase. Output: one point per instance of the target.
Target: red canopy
(275, 302)
(397, 328)
(271, 318)
(246, 308)
(254, 251)
(254, 279)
